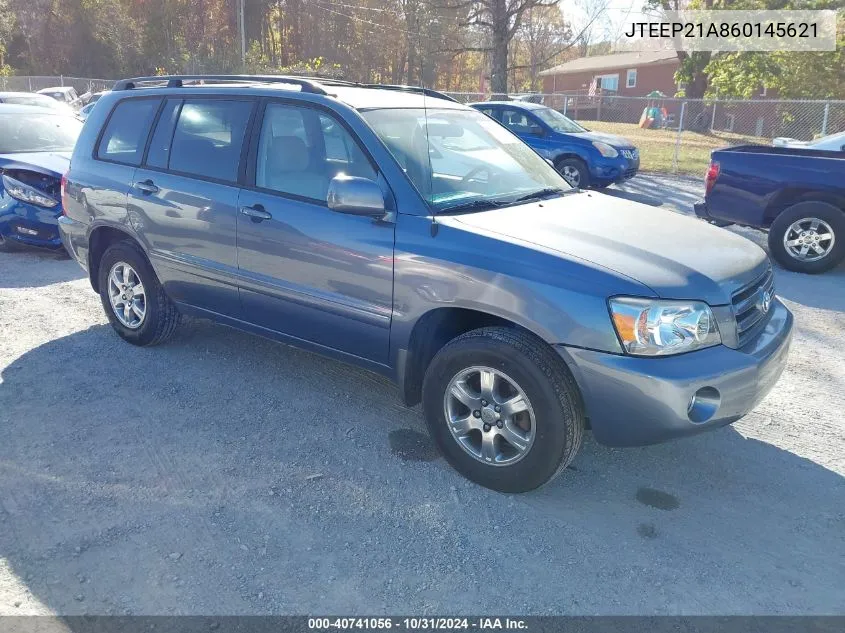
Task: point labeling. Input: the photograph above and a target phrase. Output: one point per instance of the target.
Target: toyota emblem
(766, 301)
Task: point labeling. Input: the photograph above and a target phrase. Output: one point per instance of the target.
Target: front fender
(576, 151)
(558, 298)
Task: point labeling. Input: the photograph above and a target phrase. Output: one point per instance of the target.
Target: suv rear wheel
(134, 301)
(503, 409)
(808, 237)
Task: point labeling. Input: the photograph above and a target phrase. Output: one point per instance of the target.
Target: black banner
(551, 624)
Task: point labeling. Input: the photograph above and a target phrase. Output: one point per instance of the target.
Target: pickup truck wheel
(503, 409)
(134, 301)
(808, 237)
(574, 171)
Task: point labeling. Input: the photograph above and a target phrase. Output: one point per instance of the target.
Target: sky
(611, 23)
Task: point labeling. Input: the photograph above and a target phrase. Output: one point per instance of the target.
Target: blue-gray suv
(398, 230)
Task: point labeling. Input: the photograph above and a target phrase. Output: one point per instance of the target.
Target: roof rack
(177, 81)
(426, 91)
(313, 85)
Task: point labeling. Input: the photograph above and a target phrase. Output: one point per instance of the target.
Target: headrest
(288, 153)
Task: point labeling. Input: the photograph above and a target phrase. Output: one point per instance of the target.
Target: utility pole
(241, 29)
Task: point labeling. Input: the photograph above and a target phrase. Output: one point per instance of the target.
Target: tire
(160, 319)
(803, 215)
(553, 400)
(576, 164)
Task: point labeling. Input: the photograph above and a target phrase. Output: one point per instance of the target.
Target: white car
(66, 95)
(831, 143)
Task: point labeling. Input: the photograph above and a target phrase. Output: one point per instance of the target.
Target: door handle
(256, 213)
(147, 186)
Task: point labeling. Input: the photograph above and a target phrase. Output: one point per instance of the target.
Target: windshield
(557, 121)
(460, 157)
(37, 132)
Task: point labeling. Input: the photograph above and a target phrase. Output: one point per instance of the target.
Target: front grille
(629, 173)
(751, 306)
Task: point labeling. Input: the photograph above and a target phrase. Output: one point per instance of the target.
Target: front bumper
(634, 401)
(29, 224)
(609, 170)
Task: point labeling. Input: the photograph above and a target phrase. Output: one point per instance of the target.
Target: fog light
(26, 231)
(703, 404)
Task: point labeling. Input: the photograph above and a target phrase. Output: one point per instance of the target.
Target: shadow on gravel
(221, 474)
(35, 268)
(825, 291)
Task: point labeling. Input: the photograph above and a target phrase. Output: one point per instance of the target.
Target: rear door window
(126, 132)
(518, 122)
(208, 138)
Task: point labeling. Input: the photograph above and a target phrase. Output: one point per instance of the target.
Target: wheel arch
(569, 154)
(99, 240)
(430, 333)
(793, 195)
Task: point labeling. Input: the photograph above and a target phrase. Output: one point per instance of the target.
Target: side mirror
(356, 196)
(536, 130)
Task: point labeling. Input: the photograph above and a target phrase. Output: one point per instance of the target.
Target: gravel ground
(221, 474)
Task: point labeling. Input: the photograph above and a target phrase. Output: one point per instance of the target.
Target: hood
(49, 163)
(610, 139)
(678, 257)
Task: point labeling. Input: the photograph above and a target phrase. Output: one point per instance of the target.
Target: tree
(542, 37)
(692, 69)
(499, 21)
(808, 75)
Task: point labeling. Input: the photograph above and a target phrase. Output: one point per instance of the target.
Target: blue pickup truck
(797, 194)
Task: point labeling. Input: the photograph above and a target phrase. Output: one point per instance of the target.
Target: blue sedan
(583, 158)
(35, 149)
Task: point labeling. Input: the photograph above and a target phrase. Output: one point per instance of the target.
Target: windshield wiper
(542, 193)
(472, 205)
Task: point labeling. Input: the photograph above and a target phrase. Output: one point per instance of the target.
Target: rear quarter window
(126, 131)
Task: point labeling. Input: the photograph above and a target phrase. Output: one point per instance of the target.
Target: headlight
(25, 193)
(605, 150)
(651, 327)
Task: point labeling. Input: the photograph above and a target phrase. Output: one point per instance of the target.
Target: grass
(657, 147)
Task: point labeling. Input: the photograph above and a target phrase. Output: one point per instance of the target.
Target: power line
(363, 21)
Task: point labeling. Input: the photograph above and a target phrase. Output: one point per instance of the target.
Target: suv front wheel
(503, 409)
(134, 301)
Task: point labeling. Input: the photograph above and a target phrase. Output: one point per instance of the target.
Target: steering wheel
(478, 170)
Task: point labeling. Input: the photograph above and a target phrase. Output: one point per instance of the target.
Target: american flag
(591, 92)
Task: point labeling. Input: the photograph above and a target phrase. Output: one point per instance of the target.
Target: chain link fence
(19, 83)
(677, 135)
(673, 135)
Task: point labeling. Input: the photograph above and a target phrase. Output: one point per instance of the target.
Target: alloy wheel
(571, 174)
(127, 295)
(489, 416)
(809, 239)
